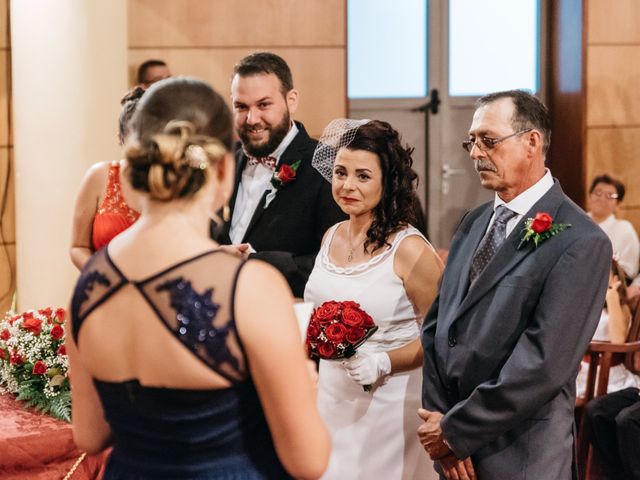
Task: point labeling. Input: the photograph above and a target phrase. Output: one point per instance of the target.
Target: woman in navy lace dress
(185, 358)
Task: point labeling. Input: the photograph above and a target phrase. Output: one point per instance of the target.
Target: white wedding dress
(373, 433)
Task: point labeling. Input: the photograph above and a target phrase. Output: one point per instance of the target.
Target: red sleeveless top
(113, 215)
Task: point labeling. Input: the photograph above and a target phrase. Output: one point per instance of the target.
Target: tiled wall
(613, 97)
(206, 39)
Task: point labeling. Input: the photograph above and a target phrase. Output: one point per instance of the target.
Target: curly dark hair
(397, 207)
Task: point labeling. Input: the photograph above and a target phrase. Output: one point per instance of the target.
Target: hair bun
(174, 163)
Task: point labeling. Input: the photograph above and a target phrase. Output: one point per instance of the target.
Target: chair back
(632, 359)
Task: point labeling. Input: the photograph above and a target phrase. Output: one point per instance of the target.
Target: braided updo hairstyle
(397, 203)
(180, 127)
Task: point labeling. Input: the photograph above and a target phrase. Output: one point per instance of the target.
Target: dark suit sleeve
(546, 355)
(433, 389)
(297, 268)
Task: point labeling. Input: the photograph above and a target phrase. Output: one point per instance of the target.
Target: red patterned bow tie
(268, 162)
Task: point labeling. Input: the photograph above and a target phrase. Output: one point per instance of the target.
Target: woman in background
(379, 260)
(613, 326)
(184, 357)
(101, 211)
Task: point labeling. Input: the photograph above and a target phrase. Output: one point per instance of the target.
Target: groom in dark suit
(280, 206)
(518, 304)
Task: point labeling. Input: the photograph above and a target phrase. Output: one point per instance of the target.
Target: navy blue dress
(164, 433)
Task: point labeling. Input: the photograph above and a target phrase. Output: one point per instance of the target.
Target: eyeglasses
(485, 143)
(609, 195)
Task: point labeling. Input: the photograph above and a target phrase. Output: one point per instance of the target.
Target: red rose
(313, 330)
(26, 315)
(542, 222)
(62, 350)
(326, 312)
(355, 334)
(351, 304)
(335, 332)
(15, 358)
(33, 325)
(39, 368)
(353, 317)
(3, 354)
(326, 350)
(57, 332)
(14, 318)
(368, 321)
(45, 312)
(286, 174)
(5, 335)
(59, 315)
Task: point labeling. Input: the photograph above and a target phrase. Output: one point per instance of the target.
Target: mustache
(260, 126)
(484, 165)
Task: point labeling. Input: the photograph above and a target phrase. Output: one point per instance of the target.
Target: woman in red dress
(101, 211)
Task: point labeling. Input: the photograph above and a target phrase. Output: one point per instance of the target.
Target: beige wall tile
(7, 276)
(4, 101)
(319, 74)
(613, 21)
(4, 24)
(613, 85)
(7, 191)
(233, 23)
(615, 151)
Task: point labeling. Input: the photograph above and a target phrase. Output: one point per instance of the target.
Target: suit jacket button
(452, 341)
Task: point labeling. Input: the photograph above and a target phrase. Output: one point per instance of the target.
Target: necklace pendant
(350, 256)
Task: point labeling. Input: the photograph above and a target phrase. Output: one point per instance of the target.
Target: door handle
(447, 171)
(432, 104)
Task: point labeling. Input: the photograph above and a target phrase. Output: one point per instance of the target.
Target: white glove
(367, 368)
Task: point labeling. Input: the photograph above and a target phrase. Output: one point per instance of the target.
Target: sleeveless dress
(167, 433)
(114, 215)
(373, 434)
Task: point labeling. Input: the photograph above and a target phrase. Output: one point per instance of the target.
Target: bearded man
(280, 206)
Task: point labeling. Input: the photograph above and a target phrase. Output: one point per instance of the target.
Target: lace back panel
(113, 201)
(193, 299)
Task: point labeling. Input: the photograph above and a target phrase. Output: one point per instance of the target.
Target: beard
(265, 148)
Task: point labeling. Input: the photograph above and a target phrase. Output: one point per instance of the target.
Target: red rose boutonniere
(283, 176)
(540, 228)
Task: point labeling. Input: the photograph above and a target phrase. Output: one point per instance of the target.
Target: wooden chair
(604, 355)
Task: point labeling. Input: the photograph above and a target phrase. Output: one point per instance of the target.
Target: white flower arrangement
(33, 361)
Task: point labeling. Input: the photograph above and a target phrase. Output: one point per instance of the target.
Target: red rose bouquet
(33, 361)
(337, 329)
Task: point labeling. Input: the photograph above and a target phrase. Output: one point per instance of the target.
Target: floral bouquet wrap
(34, 362)
(337, 329)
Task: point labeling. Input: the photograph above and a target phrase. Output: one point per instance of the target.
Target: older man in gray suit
(519, 301)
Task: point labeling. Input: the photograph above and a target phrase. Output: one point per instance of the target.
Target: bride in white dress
(379, 260)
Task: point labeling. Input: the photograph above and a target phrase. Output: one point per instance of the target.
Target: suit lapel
(476, 231)
(508, 256)
(290, 155)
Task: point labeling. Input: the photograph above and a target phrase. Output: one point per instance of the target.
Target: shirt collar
(286, 141)
(527, 199)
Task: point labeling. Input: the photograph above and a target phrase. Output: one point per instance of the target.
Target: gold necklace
(351, 246)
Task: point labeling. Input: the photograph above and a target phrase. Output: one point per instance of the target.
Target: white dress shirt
(523, 202)
(253, 183)
(624, 239)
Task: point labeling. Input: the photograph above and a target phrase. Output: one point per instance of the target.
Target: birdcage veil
(338, 134)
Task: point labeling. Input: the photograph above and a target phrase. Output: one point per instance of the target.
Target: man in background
(152, 71)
